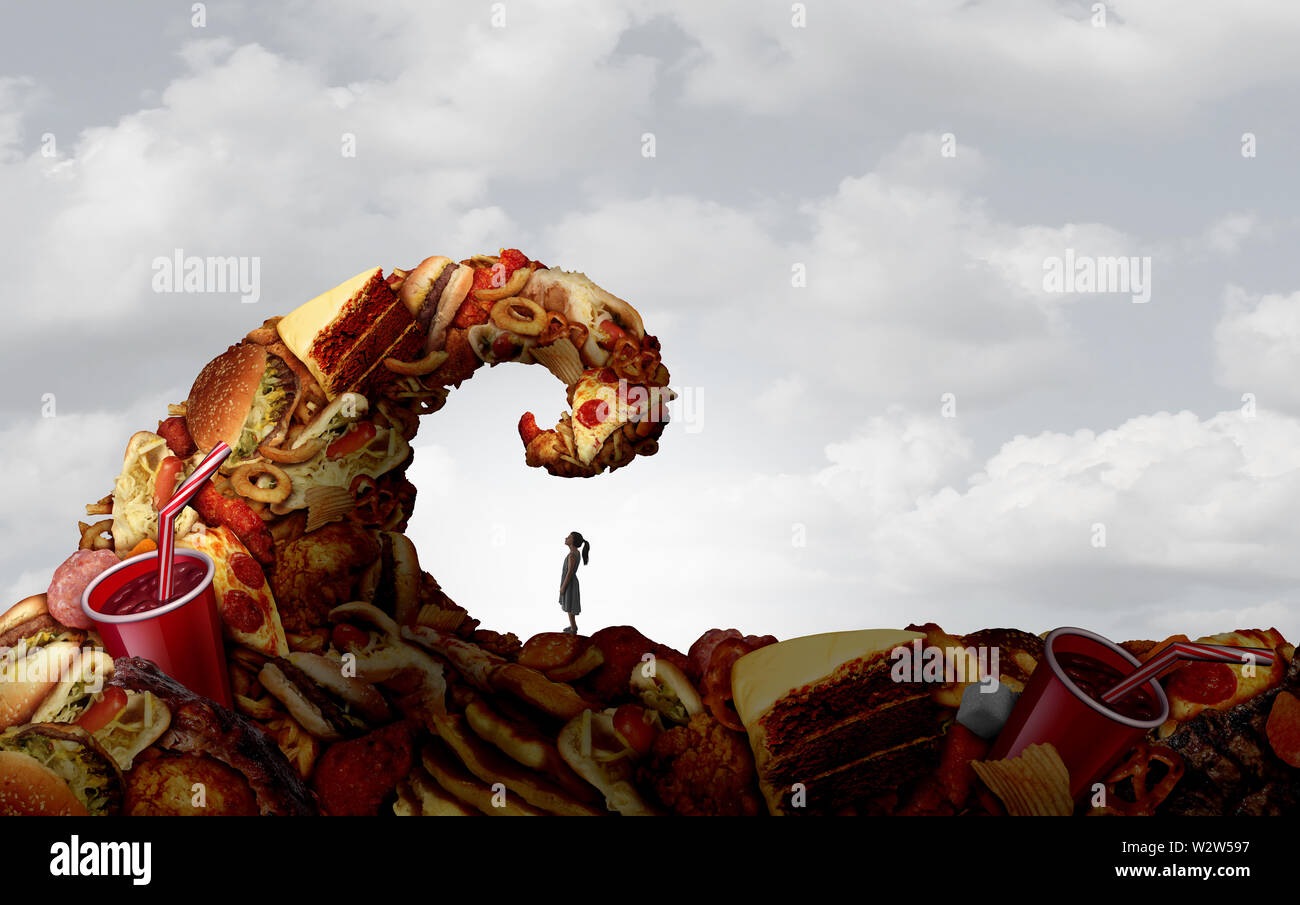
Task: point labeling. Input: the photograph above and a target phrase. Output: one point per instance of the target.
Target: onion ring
(242, 482)
(291, 456)
(519, 315)
(92, 538)
(516, 282)
(426, 365)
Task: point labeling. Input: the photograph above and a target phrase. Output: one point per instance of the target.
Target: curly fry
(92, 536)
(516, 282)
(292, 456)
(426, 365)
(556, 326)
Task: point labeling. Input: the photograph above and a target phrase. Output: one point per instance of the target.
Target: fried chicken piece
(461, 361)
(319, 571)
(703, 769)
(164, 786)
(354, 778)
(507, 645)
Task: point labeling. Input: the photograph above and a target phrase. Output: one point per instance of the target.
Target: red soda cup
(182, 636)
(1065, 712)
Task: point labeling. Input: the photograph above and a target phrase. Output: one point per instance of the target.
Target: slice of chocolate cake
(344, 335)
(828, 723)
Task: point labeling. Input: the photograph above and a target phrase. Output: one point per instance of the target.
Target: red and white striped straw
(167, 516)
(1186, 650)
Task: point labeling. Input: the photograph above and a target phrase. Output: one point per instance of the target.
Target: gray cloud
(823, 488)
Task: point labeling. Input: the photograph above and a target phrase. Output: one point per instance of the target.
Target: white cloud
(806, 502)
(15, 96)
(54, 466)
(1155, 61)
(913, 288)
(1226, 234)
(900, 525)
(1257, 347)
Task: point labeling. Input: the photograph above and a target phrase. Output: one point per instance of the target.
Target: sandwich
(45, 673)
(393, 582)
(324, 701)
(433, 292)
(137, 491)
(606, 317)
(244, 397)
(665, 689)
(48, 769)
(29, 619)
(589, 744)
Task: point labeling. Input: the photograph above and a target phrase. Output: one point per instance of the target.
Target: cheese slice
(299, 328)
(762, 677)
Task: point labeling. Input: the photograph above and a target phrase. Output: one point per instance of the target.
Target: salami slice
(70, 581)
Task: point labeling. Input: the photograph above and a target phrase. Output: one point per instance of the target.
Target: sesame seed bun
(29, 789)
(223, 393)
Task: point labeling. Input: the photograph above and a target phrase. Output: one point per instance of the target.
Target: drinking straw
(1181, 651)
(167, 516)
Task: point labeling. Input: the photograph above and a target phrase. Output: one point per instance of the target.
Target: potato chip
(1035, 783)
(443, 620)
(327, 503)
(561, 359)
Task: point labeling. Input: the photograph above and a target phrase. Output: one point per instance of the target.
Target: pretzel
(1137, 768)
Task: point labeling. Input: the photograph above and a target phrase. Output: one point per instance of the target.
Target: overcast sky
(841, 238)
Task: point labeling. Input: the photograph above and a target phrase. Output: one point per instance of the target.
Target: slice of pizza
(248, 612)
(596, 411)
(1201, 686)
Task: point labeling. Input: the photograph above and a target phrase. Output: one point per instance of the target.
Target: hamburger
(244, 397)
(45, 674)
(433, 292)
(30, 618)
(50, 769)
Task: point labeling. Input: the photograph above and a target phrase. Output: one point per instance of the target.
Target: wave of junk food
(437, 716)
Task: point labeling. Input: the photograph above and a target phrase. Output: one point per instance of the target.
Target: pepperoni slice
(607, 375)
(592, 412)
(1204, 683)
(247, 570)
(241, 613)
